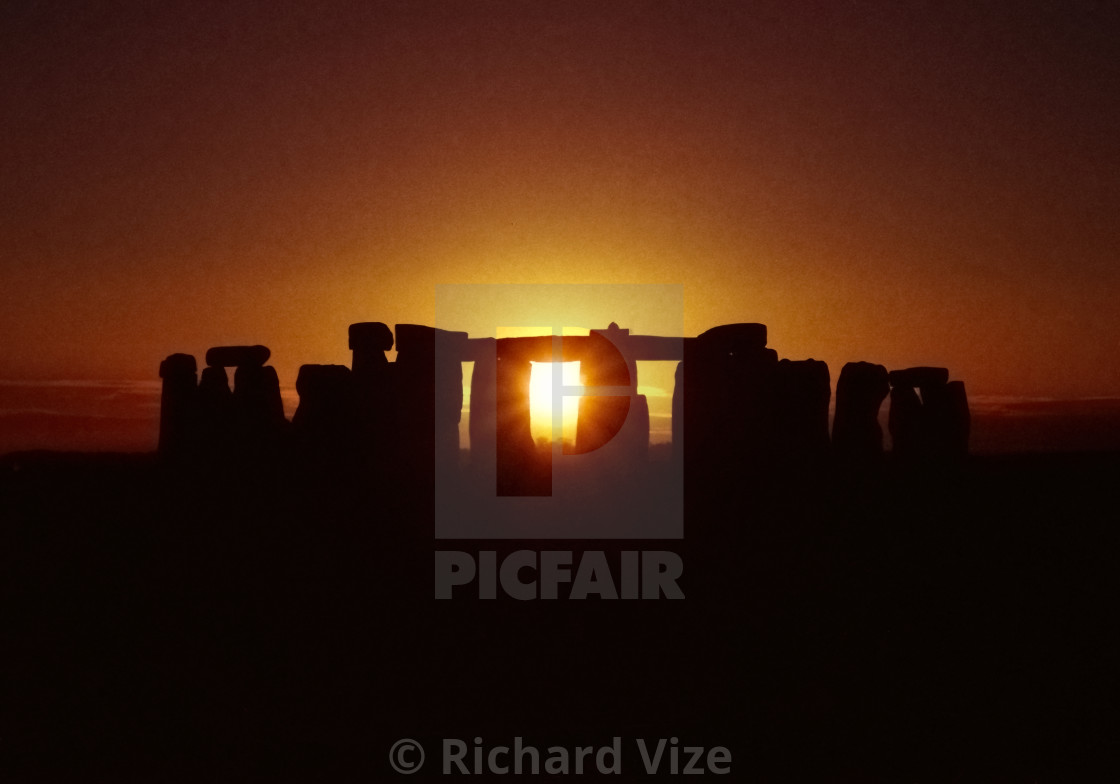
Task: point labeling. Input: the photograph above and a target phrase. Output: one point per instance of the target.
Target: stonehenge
(929, 417)
(207, 420)
(735, 403)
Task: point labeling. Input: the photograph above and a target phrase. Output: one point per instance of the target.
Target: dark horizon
(106, 416)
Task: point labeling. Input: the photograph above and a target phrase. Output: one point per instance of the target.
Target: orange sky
(898, 182)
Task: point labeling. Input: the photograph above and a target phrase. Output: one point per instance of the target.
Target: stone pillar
(959, 419)
(375, 400)
(602, 418)
(636, 431)
(520, 470)
(948, 420)
(729, 396)
(906, 423)
(256, 409)
(934, 427)
(802, 394)
(678, 413)
(429, 396)
(857, 436)
(323, 426)
(215, 404)
(178, 414)
(369, 340)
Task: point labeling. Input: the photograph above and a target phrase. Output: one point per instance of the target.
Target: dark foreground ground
(166, 625)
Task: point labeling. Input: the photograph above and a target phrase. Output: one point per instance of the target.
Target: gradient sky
(905, 183)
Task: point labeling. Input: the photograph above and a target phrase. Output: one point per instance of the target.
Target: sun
(541, 401)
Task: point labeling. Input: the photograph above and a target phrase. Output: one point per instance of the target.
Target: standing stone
(215, 405)
(213, 388)
(934, 428)
(857, 436)
(375, 400)
(517, 469)
(323, 424)
(906, 422)
(178, 414)
(947, 420)
(258, 411)
(677, 423)
(603, 417)
(802, 394)
(429, 396)
(635, 433)
(959, 419)
(729, 398)
(369, 340)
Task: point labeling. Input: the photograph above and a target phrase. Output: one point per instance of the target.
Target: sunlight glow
(541, 411)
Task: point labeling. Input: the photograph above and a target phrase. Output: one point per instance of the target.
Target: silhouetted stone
(959, 418)
(215, 408)
(429, 379)
(732, 336)
(741, 407)
(237, 356)
(515, 454)
(935, 428)
(947, 420)
(324, 421)
(801, 400)
(856, 433)
(635, 433)
(906, 421)
(214, 384)
(370, 335)
(374, 392)
(369, 340)
(178, 366)
(258, 410)
(320, 385)
(729, 397)
(602, 361)
(178, 415)
(919, 377)
(602, 417)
